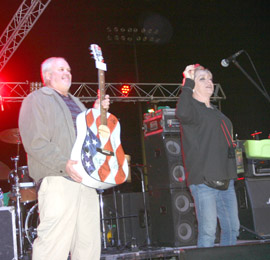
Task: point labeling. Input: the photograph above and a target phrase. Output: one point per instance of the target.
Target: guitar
(98, 150)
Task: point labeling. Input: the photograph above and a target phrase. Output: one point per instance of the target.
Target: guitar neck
(102, 92)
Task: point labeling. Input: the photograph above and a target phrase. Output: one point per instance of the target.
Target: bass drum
(31, 224)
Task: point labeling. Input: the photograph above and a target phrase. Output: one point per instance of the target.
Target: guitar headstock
(97, 55)
(96, 52)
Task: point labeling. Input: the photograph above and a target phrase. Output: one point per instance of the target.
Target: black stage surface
(243, 250)
(248, 250)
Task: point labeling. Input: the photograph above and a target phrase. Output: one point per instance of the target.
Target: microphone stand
(116, 218)
(101, 204)
(148, 241)
(265, 94)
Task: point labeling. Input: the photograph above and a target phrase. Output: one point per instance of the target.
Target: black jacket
(206, 138)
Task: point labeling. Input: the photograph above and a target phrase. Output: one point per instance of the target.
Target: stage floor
(180, 252)
(245, 249)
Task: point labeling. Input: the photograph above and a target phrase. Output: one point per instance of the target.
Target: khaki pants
(69, 221)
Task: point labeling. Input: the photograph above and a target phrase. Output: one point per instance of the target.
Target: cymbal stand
(18, 206)
(101, 204)
(148, 241)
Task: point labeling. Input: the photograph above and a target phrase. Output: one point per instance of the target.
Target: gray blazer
(47, 132)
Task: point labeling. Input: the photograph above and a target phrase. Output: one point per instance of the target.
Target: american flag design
(97, 169)
(89, 150)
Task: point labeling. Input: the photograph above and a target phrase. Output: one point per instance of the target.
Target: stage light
(125, 89)
(117, 34)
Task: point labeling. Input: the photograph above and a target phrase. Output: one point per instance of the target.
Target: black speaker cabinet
(172, 217)
(129, 209)
(165, 168)
(253, 195)
(8, 240)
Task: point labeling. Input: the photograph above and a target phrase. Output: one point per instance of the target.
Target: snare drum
(26, 184)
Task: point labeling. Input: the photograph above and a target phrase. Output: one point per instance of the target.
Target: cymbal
(11, 136)
(4, 171)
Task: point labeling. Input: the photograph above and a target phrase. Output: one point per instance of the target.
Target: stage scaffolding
(87, 91)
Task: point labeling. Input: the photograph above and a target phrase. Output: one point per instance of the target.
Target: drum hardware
(16, 188)
(31, 223)
(12, 136)
(26, 184)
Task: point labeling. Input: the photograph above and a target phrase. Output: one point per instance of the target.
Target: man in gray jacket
(69, 211)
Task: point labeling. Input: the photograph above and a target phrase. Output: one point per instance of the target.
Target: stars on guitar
(90, 144)
(88, 154)
(87, 164)
(94, 142)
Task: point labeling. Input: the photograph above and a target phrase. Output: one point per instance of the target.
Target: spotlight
(125, 89)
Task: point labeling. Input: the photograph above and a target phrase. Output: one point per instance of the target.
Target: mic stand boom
(265, 94)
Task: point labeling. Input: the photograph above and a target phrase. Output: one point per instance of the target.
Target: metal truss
(22, 22)
(87, 92)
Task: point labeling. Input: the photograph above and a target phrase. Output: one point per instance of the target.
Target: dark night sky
(202, 31)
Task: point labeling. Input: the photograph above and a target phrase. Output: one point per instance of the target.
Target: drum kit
(22, 196)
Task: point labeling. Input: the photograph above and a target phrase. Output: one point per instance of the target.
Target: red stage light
(125, 89)
(240, 178)
(255, 135)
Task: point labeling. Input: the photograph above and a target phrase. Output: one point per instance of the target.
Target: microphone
(226, 62)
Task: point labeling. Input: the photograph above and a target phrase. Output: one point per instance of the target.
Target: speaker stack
(172, 212)
(253, 195)
(254, 204)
